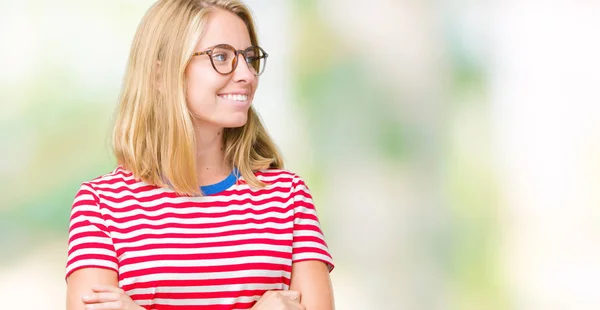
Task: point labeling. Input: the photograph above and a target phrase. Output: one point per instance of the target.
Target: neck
(210, 155)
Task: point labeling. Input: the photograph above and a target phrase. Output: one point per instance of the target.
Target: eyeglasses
(224, 58)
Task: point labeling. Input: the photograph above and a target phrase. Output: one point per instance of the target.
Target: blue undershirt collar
(222, 185)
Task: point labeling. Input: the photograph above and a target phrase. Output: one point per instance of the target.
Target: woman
(199, 214)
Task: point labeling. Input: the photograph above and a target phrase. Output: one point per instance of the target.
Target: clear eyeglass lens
(223, 57)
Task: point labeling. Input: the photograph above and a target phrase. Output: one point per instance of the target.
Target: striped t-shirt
(220, 251)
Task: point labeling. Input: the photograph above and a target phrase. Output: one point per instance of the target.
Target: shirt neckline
(221, 186)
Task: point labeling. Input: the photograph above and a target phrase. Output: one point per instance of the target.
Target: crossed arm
(81, 283)
(310, 278)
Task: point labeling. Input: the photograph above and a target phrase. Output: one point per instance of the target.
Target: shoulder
(266, 175)
(90, 192)
(118, 177)
(283, 177)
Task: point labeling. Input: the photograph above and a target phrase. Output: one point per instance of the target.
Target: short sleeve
(90, 244)
(308, 241)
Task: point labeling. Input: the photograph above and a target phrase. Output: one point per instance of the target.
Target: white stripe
(89, 239)
(205, 199)
(206, 289)
(208, 250)
(87, 228)
(305, 210)
(207, 276)
(311, 256)
(126, 190)
(308, 233)
(297, 245)
(99, 186)
(83, 218)
(273, 174)
(170, 230)
(86, 207)
(303, 198)
(200, 220)
(185, 208)
(94, 251)
(306, 222)
(198, 302)
(202, 241)
(92, 262)
(213, 211)
(218, 262)
(112, 176)
(122, 184)
(219, 198)
(117, 174)
(84, 197)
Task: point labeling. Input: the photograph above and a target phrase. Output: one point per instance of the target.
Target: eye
(220, 57)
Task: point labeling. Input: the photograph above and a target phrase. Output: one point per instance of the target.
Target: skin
(311, 279)
(213, 112)
(310, 287)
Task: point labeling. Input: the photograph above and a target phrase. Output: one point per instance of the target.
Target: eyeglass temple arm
(201, 53)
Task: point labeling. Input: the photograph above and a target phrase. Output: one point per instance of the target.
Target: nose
(242, 71)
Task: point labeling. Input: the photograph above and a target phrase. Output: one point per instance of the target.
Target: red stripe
(246, 305)
(88, 266)
(311, 250)
(81, 212)
(266, 230)
(104, 199)
(92, 245)
(199, 226)
(307, 216)
(166, 246)
(124, 188)
(206, 269)
(92, 257)
(89, 233)
(309, 227)
(309, 239)
(205, 256)
(134, 203)
(207, 282)
(195, 215)
(200, 295)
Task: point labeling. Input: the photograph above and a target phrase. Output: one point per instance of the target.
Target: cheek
(202, 86)
(254, 84)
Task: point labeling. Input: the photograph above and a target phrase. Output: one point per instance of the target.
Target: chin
(235, 123)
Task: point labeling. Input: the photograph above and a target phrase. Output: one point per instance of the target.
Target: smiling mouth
(240, 98)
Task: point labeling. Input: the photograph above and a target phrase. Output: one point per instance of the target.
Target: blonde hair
(153, 135)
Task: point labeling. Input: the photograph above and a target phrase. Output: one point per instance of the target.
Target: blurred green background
(451, 146)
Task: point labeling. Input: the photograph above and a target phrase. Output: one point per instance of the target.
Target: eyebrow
(214, 45)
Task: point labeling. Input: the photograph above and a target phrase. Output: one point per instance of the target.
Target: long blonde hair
(153, 135)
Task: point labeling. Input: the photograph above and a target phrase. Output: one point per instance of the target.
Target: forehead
(224, 27)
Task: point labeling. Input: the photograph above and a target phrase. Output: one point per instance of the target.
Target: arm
(311, 261)
(311, 279)
(92, 260)
(81, 281)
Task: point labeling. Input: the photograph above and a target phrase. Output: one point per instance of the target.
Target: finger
(113, 305)
(106, 288)
(100, 297)
(293, 295)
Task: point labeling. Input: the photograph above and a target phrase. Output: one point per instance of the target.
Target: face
(214, 99)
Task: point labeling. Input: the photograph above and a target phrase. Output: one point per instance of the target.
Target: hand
(108, 297)
(279, 300)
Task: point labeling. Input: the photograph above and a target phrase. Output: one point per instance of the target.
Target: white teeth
(235, 97)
